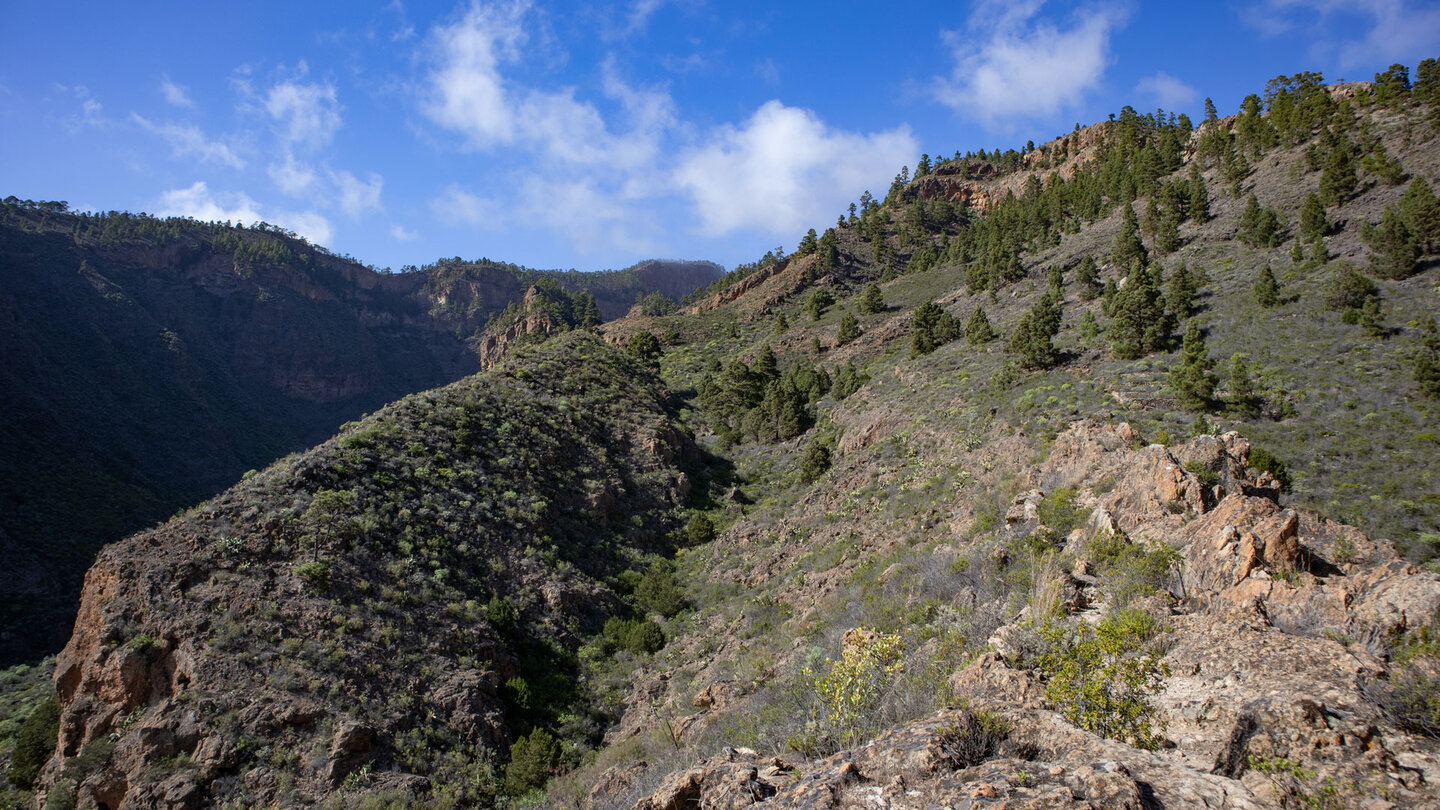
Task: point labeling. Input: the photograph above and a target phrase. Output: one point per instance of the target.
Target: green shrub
(1207, 477)
(816, 461)
(658, 593)
(533, 760)
(1059, 512)
(1262, 460)
(34, 743)
(700, 529)
(635, 635)
(851, 689)
(1101, 681)
(315, 574)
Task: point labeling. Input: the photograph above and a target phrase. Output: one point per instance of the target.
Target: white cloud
(308, 114)
(466, 92)
(400, 234)
(292, 176)
(1393, 30)
(189, 142)
(1010, 65)
(175, 94)
(198, 202)
(1167, 91)
(784, 169)
(356, 197)
(639, 14)
(456, 206)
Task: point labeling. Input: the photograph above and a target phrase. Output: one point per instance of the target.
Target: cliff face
(352, 608)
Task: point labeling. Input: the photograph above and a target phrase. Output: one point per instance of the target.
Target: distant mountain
(149, 362)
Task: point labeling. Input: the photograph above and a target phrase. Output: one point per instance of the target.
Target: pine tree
(871, 300)
(1371, 319)
(1139, 323)
(807, 244)
(930, 328)
(819, 301)
(1267, 289)
(1397, 251)
(1087, 278)
(1421, 212)
(1089, 328)
(1056, 280)
(1127, 247)
(1190, 379)
(782, 323)
(1338, 181)
(977, 328)
(1210, 112)
(849, 330)
(1427, 360)
(1313, 224)
(1259, 226)
(1181, 291)
(1240, 399)
(1031, 342)
(766, 366)
(1199, 202)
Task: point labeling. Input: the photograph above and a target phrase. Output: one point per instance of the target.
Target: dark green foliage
(533, 760)
(1259, 226)
(502, 615)
(847, 381)
(819, 301)
(1191, 381)
(1396, 251)
(1346, 290)
(1180, 291)
(645, 347)
(971, 740)
(1127, 248)
(34, 743)
(1313, 224)
(700, 529)
(1139, 321)
(654, 304)
(1266, 288)
(1056, 281)
(1240, 399)
(1338, 182)
(977, 329)
(1420, 211)
(1263, 461)
(930, 328)
(808, 244)
(1392, 86)
(1087, 278)
(1089, 328)
(761, 403)
(815, 462)
(849, 330)
(1031, 341)
(1377, 161)
(641, 636)
(1426, 362)
(658, 592)
(1371, 318)
(1059, 513)
(1199, 199)
(871, 300)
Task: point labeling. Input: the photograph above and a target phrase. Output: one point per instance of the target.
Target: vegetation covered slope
(150, 362)
(389, 611)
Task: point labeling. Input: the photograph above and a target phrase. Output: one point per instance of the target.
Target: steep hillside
(385, 612)
(151, 362)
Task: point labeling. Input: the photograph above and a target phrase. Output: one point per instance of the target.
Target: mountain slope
(404, 601)
(151, 362)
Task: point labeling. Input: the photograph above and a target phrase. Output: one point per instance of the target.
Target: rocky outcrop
(1275, 643)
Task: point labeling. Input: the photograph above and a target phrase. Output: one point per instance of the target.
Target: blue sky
(593, 135)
